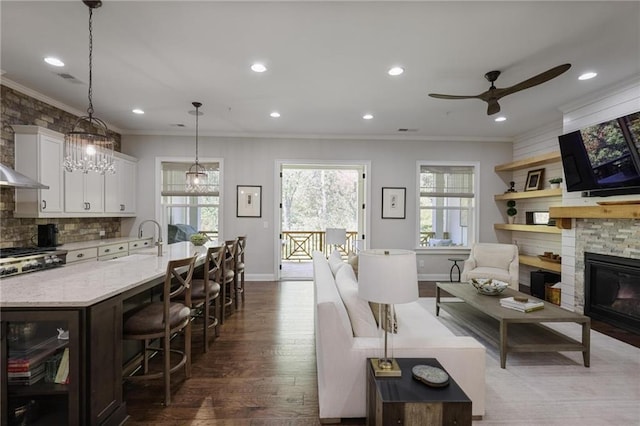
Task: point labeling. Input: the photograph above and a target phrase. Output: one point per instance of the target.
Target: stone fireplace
(607, 260)
(612, 290)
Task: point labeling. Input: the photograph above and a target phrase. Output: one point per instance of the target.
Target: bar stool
(228, 276)
(159, 320)
(239, 267)
(203, 300)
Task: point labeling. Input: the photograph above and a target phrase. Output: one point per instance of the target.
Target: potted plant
(198, 239)
(511, 211)
(555, 182)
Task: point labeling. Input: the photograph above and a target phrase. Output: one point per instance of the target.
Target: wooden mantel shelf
(563, 215)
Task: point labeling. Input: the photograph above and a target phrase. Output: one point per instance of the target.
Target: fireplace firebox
(612, 290)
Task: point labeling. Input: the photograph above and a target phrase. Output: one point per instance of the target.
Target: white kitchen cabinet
(120, 188)
(83, 192)
(39, 154)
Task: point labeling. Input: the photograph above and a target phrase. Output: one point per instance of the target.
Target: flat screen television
(603, 159)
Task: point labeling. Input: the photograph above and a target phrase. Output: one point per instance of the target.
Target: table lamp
(387, 276)
(336, 236)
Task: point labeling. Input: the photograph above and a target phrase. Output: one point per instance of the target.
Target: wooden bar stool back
(205, 304)
(228, 276)
(160, 320)
(239, 267)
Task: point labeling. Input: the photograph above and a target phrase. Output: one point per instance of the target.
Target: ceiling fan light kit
(494, 94)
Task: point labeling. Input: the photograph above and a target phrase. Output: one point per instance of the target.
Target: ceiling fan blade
(493, 107)
(533, 81)
(436, 95)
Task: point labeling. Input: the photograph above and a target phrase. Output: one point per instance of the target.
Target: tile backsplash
(19, 108)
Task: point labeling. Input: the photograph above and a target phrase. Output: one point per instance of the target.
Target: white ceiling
(327, 62)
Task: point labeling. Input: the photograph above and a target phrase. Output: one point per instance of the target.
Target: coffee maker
(48, 235)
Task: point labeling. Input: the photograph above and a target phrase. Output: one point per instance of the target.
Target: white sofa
(341, 356)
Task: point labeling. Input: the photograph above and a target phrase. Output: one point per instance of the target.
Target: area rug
(554, 388)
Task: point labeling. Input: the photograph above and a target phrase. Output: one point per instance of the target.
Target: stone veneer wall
(18, 108)
(618, 237)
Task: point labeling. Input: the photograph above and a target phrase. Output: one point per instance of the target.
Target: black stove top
(19, 260)
(25, 251)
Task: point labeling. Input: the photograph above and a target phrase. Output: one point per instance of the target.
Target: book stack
(27, 361)
(24, 374)
(522, 306)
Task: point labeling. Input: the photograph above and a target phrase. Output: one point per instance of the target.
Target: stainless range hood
(13, 179)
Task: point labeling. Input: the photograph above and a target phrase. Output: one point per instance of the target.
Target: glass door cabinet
(40, 356)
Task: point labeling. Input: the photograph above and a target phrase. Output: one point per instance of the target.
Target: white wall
(249, 161)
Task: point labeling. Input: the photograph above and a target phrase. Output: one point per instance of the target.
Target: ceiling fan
(492, 95)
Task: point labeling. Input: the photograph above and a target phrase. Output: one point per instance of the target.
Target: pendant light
(88, 147)
(196, 176)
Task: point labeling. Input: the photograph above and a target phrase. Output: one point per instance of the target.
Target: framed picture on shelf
(393, 203)
(534, 180)
(249, 201)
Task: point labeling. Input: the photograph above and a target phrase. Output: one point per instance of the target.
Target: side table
(406, 401)
(455, 265)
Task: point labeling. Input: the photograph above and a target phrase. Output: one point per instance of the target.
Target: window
(186, 212)
(447, 204)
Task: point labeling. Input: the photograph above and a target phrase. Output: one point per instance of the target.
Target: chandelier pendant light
(196, 176)
(87, 147)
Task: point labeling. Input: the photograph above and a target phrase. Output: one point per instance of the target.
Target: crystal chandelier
(196, 176)
(87, 147)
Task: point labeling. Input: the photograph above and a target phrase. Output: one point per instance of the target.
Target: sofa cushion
(347, 274)
(363, 323)
(335, 262)
(489, 272)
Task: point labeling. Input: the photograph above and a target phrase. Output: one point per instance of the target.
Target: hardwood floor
(261, 370)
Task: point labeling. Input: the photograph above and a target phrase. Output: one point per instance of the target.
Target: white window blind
(446, 181)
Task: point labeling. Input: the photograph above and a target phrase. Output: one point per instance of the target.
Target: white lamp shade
(387, 276)
(336, 236)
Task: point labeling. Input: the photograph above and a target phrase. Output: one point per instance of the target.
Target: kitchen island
(87, 299)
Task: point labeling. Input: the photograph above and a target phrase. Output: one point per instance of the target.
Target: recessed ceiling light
(258, 67)
(137, 111)
(588, 75)
(367, 116)
(395, 71)
(501, 118)
(54, 61)
(275, 114)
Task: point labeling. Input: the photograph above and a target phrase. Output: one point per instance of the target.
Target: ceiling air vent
(69, 78)
(402, 129)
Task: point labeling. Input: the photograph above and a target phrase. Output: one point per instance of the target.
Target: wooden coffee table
(510, 330)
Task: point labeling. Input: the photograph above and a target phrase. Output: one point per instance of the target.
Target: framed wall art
(393, 203)
(534, 180)
(249, 201)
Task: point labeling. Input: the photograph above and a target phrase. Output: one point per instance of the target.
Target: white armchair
(489, 260)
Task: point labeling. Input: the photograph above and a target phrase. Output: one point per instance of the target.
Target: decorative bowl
(198, 239)
(489, 286)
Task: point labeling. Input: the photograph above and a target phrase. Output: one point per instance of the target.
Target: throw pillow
(335, 262)
(392, 322)
(362, 321)
(352, 260)
(346, 274)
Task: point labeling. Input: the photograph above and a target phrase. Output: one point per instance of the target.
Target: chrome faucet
(159, 242)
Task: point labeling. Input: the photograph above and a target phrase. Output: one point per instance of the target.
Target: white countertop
(84, 284)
